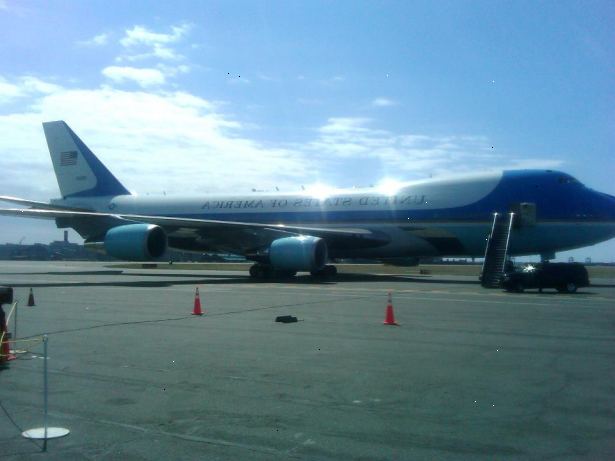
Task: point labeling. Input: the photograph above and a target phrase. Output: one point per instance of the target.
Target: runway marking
(411, 295)
(153, 432)
(571, 300)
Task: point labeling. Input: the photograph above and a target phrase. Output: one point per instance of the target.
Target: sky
(196, 97)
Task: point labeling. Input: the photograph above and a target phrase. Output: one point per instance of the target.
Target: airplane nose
(603, 206)
(609, 207)
(606, 213)
(603, 210)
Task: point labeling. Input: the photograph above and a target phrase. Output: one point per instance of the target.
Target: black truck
(564, 277)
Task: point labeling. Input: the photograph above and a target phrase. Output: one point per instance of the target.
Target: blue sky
(197, 97)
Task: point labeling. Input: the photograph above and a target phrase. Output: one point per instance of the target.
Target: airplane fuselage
(445, 217)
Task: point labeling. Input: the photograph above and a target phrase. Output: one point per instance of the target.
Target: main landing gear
(261, 271)
(326, 272)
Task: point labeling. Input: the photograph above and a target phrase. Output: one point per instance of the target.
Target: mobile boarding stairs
(496, 250)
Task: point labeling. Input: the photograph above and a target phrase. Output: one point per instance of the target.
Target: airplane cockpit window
(568, 180)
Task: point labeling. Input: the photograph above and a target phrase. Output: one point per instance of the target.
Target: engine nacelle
(302, 253)
(136, 242)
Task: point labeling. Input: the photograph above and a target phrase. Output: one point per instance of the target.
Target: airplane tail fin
(78, 170)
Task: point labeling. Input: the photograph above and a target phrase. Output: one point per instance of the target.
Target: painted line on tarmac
(152, 432)
(561, 299)
(409, 294)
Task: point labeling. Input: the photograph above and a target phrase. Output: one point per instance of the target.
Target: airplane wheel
(258, 271)
(255, 271)
(326, 272)
(330, 271)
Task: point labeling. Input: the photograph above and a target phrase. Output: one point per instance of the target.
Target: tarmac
(469, 373)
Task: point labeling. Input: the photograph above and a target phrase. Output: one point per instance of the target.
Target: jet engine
(136, 242)
(301, 253)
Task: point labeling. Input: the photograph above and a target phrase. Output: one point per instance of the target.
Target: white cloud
(172, 71)
(345, 140)
(140, 35)
(172, 141)
(383, 102)
(97, 40)
(163, 52)
(9, 91)
(142, 43)
(157, 51)
(181, 143)
(348, 137)
(141, 76)
(345, 126)
(23, 87)
(144, 77)
(36, 85)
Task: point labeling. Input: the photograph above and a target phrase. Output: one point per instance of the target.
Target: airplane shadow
(554, 292)
(603, 285)
(166, 279)
(96, 272)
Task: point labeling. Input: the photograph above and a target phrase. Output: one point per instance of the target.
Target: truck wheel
(571, 287)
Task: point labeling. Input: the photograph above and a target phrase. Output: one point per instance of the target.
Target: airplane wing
(214, 234)
(32, 203)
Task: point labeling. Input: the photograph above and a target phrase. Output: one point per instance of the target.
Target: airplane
(287, 233)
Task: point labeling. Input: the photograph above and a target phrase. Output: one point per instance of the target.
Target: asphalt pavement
(469, 373)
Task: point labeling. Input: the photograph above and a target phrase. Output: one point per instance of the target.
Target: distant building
(62, 250)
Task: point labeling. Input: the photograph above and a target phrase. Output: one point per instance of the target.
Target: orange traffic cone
(197, 303)
(5, 351)
(31, 299)
(389, 318)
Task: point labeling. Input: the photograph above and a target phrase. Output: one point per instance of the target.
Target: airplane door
(525, 214)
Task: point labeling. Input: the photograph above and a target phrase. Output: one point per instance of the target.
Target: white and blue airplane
(287, 233)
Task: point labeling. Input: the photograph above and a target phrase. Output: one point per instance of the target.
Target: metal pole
(15, 324)
(45, 432)
(45, 340)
